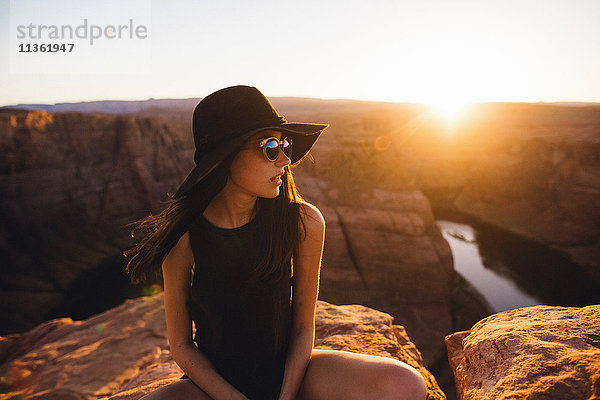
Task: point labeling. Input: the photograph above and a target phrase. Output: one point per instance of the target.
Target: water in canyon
(512, 272)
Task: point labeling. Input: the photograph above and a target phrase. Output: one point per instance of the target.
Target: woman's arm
(177, 278)
(307, 264)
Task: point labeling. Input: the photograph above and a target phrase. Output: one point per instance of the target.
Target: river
(512, 272)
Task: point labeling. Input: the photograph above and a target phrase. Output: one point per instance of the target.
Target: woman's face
(253, 173)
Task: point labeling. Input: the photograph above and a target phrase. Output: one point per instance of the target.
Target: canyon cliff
(69, 183)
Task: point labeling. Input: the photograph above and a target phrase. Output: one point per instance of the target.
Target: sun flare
(450, 111)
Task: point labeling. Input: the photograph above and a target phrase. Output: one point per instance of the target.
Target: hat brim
(303, 135)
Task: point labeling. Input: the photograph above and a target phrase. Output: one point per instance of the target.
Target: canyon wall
(69, 184)
(543, 189)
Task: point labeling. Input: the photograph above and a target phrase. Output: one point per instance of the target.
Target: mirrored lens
(287, 147)
(272, 149)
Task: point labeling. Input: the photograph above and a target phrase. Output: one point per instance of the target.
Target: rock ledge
(532, 353)
(123, 353)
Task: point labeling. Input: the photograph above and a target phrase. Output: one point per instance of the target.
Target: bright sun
(450, 110)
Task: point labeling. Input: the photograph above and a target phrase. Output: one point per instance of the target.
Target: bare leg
(183, 389)
(333, 375)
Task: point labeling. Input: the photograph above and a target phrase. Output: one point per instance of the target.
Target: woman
(240, 254)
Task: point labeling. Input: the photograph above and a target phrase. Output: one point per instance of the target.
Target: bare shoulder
(181, 254)
(313, 220)
(312, 212)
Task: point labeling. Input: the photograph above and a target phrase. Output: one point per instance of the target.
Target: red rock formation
(544, 189)
(533, 353)
(382, 246)
(69, 183)
(123, 352)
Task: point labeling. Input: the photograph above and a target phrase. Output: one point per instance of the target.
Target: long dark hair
(279, 222)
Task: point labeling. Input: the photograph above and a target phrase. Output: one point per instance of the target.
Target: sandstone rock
(532, 353)
(105, 168)
(123, 353)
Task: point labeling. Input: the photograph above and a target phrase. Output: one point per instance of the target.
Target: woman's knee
(399, 381)
(342, 375)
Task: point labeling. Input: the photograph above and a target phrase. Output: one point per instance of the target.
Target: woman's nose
(282, 159)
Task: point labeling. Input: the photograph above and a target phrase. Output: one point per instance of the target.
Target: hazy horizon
(591, 103)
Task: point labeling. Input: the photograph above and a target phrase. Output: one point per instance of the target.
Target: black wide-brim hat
(225, 119)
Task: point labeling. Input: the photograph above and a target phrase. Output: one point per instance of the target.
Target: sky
(426, 51)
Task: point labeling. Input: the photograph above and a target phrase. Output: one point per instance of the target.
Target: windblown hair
(279, 223)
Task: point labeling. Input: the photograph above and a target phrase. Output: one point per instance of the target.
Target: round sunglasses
(271, 146)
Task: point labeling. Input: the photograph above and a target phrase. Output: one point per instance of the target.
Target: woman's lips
(277, 178)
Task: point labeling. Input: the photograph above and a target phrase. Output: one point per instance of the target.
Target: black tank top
(242, 326)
